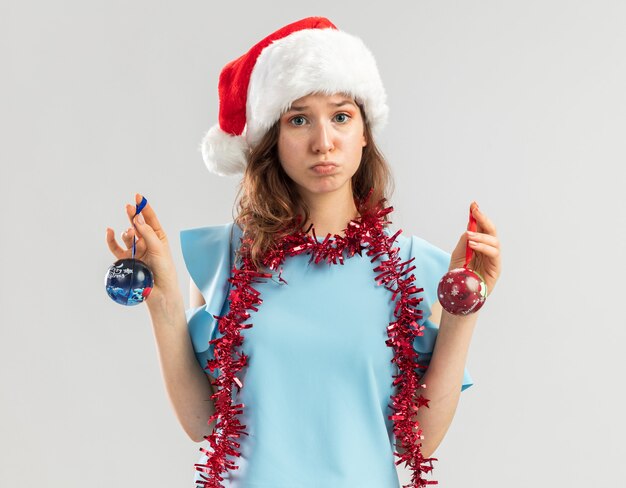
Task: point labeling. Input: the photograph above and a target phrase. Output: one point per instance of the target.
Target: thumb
(457, 257)
(144, 230)
(461, 245)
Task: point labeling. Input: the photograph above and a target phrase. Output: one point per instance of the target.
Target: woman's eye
(299, 120)
(342, 117)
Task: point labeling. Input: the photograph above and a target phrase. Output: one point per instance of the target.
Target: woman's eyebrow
(344, 102)
(298, 108)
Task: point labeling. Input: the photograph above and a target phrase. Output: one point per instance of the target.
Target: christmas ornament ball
(128, 281)
(462, 291)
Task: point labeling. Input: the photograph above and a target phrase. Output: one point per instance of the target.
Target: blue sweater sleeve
(431, 264)
(208, 253)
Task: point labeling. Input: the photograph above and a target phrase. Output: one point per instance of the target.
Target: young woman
(314, 339)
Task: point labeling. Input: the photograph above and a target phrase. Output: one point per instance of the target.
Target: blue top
(318, 381)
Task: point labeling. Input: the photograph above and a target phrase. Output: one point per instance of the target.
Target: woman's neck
(330, 215)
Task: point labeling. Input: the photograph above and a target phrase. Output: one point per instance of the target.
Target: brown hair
(267, 197)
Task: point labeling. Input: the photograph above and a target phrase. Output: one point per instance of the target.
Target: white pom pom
(224, 154)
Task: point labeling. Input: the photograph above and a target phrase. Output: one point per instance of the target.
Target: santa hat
(307, 56)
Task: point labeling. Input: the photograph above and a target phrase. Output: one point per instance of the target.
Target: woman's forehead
(334, 99)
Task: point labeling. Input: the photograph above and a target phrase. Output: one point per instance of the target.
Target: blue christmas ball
(128, 281)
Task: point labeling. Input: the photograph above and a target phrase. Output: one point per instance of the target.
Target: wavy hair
(267, 198)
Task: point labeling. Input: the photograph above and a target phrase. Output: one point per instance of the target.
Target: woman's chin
(327, 187)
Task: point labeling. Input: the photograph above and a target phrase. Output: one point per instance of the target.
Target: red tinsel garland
(365, 232)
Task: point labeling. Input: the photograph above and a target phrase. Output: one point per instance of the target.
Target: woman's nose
(322, 139)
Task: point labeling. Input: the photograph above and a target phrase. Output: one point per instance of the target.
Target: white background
(519, 105)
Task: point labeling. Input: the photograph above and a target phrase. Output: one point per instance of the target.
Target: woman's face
(320, 129)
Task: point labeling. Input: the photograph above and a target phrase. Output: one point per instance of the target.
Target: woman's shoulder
(430, 261)
(209, 251)
(415, 244)
(212, 232)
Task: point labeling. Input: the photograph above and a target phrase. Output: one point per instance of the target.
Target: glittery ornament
(463, 291)
(363, 233)
(129, 281)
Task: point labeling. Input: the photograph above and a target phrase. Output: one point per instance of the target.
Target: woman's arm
(444, 376)
(187, 385)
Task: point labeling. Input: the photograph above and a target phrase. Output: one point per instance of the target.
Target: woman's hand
(486, 246)
(151, 246)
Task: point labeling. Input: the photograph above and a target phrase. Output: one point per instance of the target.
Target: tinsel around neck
(365, 233)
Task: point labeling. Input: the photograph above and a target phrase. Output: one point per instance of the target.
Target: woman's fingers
(150, 216)
(486, 241)
(149, 238)
(140, 244)
(127, 237)
(485, 249)
(114, 247)
(130, 213)
(482, 238)
(483, 221)
(134, 233)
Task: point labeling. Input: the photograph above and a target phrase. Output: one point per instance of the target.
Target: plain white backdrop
(519, 105)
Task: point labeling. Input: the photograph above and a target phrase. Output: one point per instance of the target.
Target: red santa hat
(307, 56)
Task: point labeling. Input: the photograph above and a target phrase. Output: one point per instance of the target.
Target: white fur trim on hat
(308, 61)
(224, 154)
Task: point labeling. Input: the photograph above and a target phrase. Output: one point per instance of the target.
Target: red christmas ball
(462, 291)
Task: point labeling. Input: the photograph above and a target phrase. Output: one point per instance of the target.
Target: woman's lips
(324, 168)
